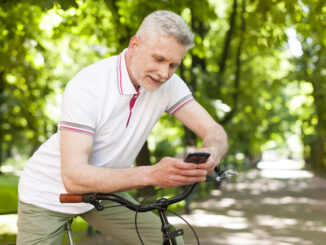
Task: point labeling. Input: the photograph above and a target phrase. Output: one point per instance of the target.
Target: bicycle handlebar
(94, 198)
(160, 205)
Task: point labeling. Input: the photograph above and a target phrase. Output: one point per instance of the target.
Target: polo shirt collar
(124, 82)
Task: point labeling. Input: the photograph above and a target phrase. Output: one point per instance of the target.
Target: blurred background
(258, 67)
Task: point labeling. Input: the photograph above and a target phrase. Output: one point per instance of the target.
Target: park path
(260, 207)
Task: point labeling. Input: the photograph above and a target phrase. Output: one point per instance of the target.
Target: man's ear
(133, 43)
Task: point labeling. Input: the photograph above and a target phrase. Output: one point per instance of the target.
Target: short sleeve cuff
(179, 104)
(79, 128)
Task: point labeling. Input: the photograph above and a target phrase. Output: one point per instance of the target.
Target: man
(108, 110)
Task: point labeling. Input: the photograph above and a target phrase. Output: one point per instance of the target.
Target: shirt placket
(131, 106)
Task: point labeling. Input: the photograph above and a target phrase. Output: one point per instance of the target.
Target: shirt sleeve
(78, 110)
(179, 95)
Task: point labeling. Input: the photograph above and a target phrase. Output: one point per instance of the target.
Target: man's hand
(214, 138)
(209, 165)
(211, 162)
(171, 172)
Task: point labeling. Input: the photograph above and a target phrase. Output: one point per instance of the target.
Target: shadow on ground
(264, 211)
(261, 207)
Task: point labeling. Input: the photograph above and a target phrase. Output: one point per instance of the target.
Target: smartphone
(197, 157)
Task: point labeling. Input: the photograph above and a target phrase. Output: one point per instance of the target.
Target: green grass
(8, 194)
(7, 238)
(8, 204)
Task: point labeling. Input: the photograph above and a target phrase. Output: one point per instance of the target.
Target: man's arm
(214, 138)
(80, 177)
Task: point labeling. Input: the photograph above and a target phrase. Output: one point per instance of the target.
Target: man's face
(154, 60)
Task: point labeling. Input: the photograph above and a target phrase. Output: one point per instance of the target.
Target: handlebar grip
(71, 198)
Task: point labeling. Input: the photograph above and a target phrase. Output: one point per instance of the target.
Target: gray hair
(168, 24)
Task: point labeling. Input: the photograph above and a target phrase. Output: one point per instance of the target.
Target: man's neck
(130, 73)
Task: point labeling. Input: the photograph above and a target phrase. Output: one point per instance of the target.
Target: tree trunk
(143, 159)
(320, 168)
(2, 100)
(1, 155)
(236, 90)
(226, 46)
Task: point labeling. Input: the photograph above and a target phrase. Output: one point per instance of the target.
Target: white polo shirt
(102, 102)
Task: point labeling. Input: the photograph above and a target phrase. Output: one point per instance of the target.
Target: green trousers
(39, 226)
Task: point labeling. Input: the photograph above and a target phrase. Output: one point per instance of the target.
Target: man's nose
(163, 71)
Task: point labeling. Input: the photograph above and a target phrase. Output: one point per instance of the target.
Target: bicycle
(160, 205)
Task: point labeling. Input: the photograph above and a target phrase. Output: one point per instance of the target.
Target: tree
(310, 22)
(23, 88)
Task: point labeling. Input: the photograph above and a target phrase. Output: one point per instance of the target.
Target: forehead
(164, 46)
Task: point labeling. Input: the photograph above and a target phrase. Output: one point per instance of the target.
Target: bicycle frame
(69, 232)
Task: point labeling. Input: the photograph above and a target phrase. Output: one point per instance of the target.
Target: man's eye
(158, 59)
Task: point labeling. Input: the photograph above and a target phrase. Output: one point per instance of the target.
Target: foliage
(240, 69)
(22, 85)
(310, 71)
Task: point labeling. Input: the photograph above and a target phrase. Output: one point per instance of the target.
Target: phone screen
(197, 157)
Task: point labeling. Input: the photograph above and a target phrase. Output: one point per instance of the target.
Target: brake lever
(221, 174)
